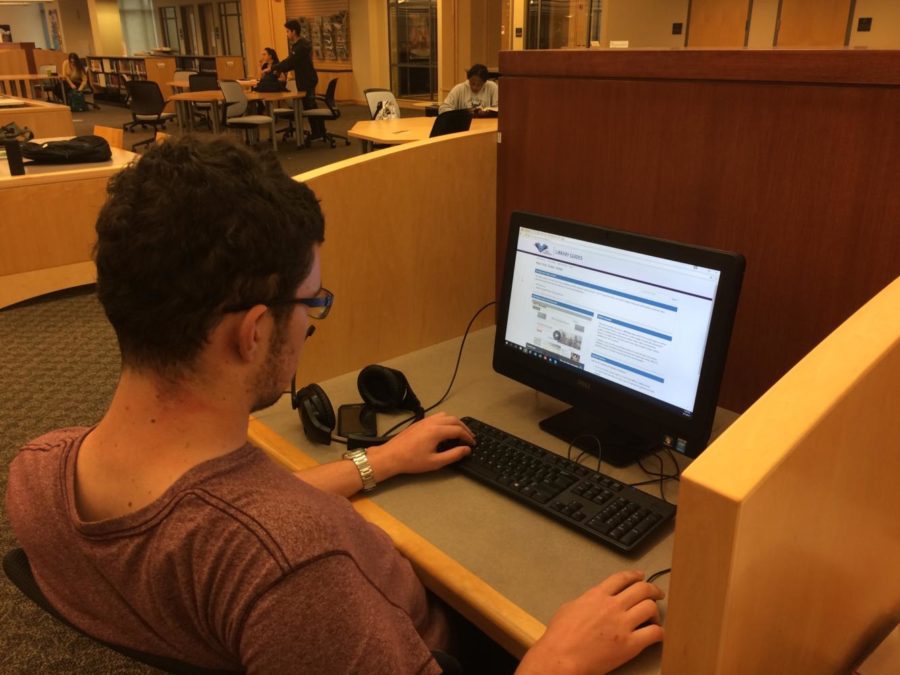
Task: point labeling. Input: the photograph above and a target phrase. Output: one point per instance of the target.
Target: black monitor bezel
(660, 420)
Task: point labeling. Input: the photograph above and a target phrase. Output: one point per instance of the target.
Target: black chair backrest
(329, 97)
(18, 570)
(203, 82)
(451, 122)
(146, 98)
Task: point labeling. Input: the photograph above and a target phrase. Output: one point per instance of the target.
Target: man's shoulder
(58, 438)
(48, 447)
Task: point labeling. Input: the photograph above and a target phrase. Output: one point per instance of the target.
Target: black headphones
(382, 389)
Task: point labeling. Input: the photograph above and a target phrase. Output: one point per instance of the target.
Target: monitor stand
(621, 446)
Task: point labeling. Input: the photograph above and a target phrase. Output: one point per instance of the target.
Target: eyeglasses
(317, 307)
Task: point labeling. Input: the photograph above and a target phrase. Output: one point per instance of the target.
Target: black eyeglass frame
(323, 299)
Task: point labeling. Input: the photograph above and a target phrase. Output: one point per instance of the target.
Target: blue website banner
(612, 291)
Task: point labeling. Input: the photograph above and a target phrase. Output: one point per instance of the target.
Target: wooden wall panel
(718, 23)
(408, 257)
(813, 23)
(767, 575)
(13, 62)
(722, 149)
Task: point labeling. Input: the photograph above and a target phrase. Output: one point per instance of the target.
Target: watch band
(361, 460)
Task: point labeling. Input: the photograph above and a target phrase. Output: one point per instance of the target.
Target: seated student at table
(162, 529)
(267, 60)
(476, 93)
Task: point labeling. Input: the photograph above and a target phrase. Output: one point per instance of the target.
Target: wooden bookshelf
(110, 73)
(225, 67)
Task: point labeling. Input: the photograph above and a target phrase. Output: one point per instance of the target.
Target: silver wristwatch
(361, 460)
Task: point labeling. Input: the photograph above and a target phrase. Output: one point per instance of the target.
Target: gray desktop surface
(535, 562)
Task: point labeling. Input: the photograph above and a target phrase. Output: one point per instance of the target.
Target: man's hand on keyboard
(415, 449)
(600, 630)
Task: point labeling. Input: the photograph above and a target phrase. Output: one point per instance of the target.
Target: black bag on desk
(78, 150)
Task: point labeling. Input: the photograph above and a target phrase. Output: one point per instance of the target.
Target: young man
(476, 93)
(300, 61)
(162, 529)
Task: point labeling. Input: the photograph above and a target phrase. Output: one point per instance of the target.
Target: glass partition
(557, 24)
(412, 28)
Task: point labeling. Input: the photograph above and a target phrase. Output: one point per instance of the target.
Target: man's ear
(253, 332)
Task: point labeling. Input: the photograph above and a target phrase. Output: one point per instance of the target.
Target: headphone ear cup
(386, 389)
(316, 413)
(380, 388)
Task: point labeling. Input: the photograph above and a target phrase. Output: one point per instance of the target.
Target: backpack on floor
(76, 101)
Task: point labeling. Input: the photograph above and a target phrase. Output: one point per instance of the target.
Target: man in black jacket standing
(300, 61)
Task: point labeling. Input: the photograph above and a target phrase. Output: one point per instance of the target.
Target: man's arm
(299, 51)
(494, 101)
(453, 100)
(413, 450)
(328, 617)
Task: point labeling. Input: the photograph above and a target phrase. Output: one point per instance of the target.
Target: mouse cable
(452, 378)
(656, 575)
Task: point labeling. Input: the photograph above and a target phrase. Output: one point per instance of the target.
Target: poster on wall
(419, 35)
(5, 32)
(329, 36)
(55, 35)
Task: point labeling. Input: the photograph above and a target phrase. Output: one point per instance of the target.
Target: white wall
(369, 46)
(26, 23)
(644, 23)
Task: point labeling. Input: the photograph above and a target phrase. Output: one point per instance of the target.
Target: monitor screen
(631, 330)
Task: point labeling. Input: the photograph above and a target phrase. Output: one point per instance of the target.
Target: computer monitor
(451, 122)
(630, 330)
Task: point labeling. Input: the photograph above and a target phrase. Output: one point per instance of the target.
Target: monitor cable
(661, 475)
(452, 378)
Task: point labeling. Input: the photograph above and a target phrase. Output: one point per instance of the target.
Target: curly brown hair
(193, 227)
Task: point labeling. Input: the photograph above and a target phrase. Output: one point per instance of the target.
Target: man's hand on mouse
(414, 450)
(600, 630)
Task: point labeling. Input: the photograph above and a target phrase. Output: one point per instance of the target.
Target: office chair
(376, 96)
(328, 114)
(234, 113)
(203, 82)
(282, 113)
(451, 122)
(147, 105)
(18, 570)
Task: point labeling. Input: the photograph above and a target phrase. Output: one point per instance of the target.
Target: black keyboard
(597, 506)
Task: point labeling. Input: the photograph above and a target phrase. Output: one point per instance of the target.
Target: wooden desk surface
(27, 76)
(37, 173)
(407, 129)
(185, 84)
(216, 96)
(505, 567)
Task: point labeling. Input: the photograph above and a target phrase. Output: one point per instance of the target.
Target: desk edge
(503, 621)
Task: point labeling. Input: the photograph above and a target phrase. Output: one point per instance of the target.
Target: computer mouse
(451, 443)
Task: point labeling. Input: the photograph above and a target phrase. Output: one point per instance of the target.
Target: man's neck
(153, 432)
